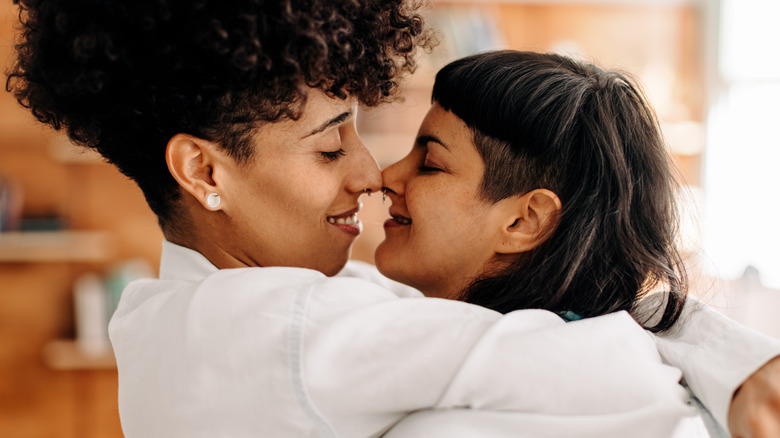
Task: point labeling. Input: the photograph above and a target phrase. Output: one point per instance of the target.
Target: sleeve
(364, 367)
(367, 366)
(591, 366)
(598, 377)
(715, 354)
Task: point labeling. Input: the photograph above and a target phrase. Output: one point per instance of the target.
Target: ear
(191, 161)
(528, 221)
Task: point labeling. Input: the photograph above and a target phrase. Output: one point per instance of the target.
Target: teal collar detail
(569, 316)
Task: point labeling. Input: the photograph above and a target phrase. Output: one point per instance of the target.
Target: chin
(395, 268)
(330, 272)
(335, 266)
(384, 262)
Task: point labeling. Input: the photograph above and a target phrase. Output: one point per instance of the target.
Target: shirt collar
(181, 263)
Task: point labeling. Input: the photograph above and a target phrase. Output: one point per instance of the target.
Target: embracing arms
(735, 371)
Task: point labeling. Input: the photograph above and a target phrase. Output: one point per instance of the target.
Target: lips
(341, 220)
(347, 222)
(402, 220)
(397, 220)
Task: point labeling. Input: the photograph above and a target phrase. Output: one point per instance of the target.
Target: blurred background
(74, 230)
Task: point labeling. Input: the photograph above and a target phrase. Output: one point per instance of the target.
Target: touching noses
(368, 176)
(393, 178)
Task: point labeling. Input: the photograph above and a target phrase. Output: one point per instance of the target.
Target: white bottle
(91, 313)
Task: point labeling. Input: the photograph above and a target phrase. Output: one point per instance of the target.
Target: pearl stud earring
(213, 200)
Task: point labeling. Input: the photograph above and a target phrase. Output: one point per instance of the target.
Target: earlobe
(530, 219)
(191, 162)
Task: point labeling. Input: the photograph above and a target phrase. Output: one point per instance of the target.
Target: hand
(755, 408)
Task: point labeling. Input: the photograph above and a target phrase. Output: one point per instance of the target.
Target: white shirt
(290, 352)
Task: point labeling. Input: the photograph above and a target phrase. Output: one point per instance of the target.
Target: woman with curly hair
(237, 121)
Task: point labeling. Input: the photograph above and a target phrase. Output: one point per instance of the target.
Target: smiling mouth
(347, 222)
(402, 220)
(397, 221)
(344, 220)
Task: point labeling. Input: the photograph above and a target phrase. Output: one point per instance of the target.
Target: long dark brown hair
(589, 135)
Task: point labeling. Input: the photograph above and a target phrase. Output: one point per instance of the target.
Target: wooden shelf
(55, 246)
(65, 354)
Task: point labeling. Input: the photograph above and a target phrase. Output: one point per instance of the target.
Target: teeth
(403, 220)
(350, 220)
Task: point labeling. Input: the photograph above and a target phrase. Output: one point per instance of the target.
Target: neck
(441, 291)
(198, 229)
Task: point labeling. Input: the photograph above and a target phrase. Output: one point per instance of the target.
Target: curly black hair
(123, 77)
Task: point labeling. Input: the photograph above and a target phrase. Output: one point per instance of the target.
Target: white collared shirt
(277, 352)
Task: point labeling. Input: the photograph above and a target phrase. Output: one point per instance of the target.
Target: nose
(366, 176)
(394, 179)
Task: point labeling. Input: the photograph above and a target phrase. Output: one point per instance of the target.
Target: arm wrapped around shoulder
(598, 377)
(718, 358)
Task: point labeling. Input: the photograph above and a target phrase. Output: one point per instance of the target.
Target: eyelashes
(334, 155)
(429, 169)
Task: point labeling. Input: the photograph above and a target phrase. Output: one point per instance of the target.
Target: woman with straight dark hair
(606, 233)
(538, 182)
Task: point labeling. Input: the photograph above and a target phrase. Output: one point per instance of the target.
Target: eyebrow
(423, 140)
(332, 122)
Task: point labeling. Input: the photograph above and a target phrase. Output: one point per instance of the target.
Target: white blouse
(278, 352)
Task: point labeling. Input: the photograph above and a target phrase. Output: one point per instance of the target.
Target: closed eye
(428, 169)
(429, 166)
(334, 155)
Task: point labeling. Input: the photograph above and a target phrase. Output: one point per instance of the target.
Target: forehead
(318, 110)
(449, 128)
(447, 137)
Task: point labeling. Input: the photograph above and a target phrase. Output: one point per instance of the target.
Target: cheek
(451, 227)
(311, 190)
(441, 212)
(438, 219)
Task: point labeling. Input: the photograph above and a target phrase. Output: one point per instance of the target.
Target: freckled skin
(281, 200)
(453, 232)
